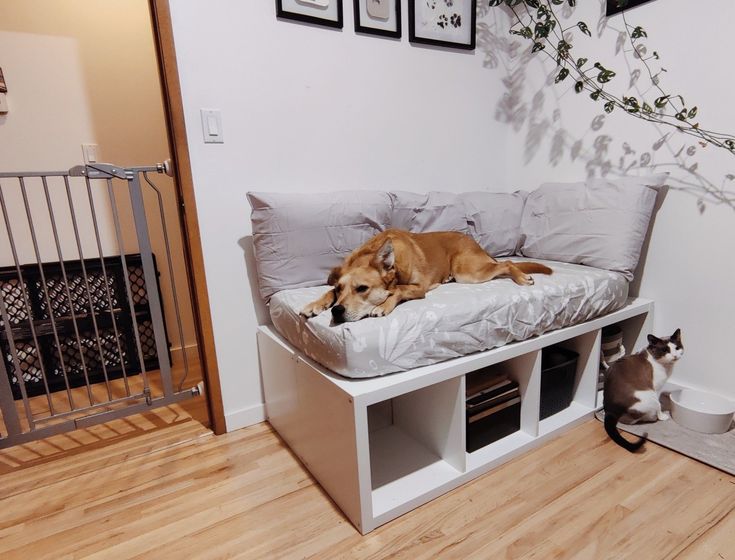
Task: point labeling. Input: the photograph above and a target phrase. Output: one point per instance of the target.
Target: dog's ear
(334, 275)
(385, 257)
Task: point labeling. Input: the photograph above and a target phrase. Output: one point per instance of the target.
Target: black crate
(76, 310)
(558, 372)
(492, 412)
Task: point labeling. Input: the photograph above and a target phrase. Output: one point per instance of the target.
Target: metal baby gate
(83, 338)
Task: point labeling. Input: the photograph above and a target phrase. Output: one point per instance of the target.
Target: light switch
(91, 153)
(3, 104)
(212, 126)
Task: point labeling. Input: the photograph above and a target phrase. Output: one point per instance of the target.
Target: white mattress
(453, 320)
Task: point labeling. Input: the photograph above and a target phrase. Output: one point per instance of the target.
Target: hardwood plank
(244, 495)
(718, 543)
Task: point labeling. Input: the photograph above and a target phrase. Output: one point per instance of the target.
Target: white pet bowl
(702, 412)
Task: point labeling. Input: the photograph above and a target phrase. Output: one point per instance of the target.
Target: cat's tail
(611, 427)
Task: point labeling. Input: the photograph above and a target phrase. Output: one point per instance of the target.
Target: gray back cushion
(600, 223)
(432, 211)
(298, 238)
(495, 220)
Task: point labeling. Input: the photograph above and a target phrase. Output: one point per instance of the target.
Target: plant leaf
(661, 102)
(563, 73)
(584, 29)
(638, 32)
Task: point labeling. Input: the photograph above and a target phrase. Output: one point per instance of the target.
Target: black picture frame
(612, 6)
(307, 17)
(413, 37)
(3, 85)
(361, 28)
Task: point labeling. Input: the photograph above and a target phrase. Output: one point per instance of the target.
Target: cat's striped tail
(611, 427)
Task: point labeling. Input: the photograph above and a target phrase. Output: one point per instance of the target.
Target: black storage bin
(493, 410)
(67, 313)
(558, 371)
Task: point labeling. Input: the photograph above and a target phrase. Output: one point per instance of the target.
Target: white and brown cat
(633, 386)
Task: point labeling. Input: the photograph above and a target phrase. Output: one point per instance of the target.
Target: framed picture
(320, 12)
(378, 17)
(3, 87)
(613, 8)
(445, 23)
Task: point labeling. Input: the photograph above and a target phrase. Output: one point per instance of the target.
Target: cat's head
(667, 349)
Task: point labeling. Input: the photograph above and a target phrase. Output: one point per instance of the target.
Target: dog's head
(361, 286)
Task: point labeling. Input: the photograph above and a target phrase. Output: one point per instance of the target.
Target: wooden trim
(174, 108)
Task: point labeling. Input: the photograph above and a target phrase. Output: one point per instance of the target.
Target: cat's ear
(653, 340)
(676, 335)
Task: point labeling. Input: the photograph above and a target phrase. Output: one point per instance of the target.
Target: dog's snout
(338, 312)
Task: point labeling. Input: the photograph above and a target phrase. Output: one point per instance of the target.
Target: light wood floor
(182, 493)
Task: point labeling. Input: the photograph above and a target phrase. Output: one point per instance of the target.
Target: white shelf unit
(383, 446)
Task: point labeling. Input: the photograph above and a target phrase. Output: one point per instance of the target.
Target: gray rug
(717, 450)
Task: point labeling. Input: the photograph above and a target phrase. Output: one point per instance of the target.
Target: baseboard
(177, 354)
(245, 417)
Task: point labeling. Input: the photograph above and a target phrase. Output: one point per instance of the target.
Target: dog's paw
(377, 312)
(311, 310)
(526, 280)
(663, 415)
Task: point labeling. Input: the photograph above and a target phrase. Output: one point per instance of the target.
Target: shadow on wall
(538, 115)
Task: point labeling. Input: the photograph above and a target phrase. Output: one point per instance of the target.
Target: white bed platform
(383, 446)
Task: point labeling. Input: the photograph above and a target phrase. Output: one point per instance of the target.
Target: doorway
(88, 81)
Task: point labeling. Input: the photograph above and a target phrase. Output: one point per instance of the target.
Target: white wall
(313, 109)
(689, 270)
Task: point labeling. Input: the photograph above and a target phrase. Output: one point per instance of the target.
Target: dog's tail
(533, 267)
(611, 427)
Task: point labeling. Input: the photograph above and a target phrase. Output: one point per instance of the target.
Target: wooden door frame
(179, 149)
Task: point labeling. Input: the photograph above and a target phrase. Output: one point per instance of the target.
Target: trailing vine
(536, 21)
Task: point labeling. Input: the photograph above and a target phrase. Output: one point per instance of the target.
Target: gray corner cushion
(432, 211)
(600, 223)
(495, 220)
(298, 238)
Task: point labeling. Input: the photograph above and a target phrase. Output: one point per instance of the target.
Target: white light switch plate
(212, 126)
(91, 153)
(3, 103)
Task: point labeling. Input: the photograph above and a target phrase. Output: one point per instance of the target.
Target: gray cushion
(495, 220)
(432, 211)
(298, 238)
(601, 223)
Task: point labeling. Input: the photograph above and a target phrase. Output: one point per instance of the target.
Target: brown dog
(396, 266)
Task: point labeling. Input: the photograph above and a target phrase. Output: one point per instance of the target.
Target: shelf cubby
(415, 442)
(524, 370)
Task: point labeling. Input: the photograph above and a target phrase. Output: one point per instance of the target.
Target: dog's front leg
(403, 292)
(322, 304)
